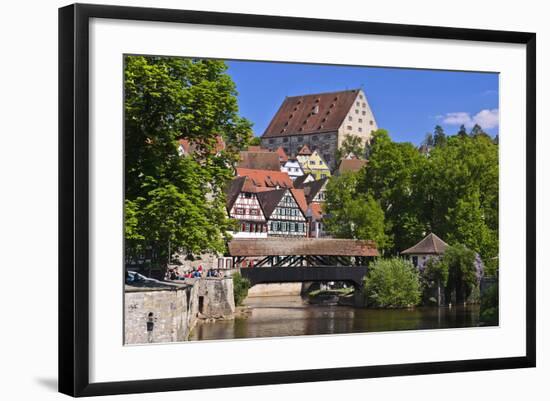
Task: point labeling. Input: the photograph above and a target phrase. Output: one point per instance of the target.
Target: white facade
(293, 169)
(287, 218)
(359, 121)
(247, 211)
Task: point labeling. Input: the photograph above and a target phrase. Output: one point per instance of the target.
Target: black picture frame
(74, 198)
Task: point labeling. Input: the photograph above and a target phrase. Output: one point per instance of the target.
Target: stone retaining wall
(167, 312)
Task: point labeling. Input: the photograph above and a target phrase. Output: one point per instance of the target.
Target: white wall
(28, 164)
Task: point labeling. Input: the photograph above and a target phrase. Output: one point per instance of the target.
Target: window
(285, 140)
(360, 96)
(284, 226)
(300, 139)
(254, 212)
(239, 210)
(246, 227)
(247, 195)
(315, 138)
(357, 104)
(312, 162)
(371, 122)
(271, 141)
(349, 127)
(364, 113)
(360, 120)
(360, 129)
(350, 118)
(364, 105)
(356, 111)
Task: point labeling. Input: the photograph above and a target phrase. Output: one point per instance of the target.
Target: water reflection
(291, 316)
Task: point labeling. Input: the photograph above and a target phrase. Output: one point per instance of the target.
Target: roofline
(324, 93)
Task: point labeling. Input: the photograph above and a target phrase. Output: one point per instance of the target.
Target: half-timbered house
(285, 212)
(243, 205)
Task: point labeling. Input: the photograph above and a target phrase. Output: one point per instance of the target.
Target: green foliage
(352, 144)
(392, 283)
(351, 214)
(391, 177)
(489, 305)
(439, 136)
(452, 192)
(174, 202)
(255, 141)
(459, 262)
(459, 187)
(435, 272)
(240, 288)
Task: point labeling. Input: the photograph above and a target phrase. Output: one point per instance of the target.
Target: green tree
(391, 178)
(351, 145)
(459, 261)
(488, 310)
(428, 139)
(459, 192)
(174, 202)
(392, 283)
(255, 141)
(351, 214)
(240, 288)
(477, 131)
(439, 136)
(462, 131)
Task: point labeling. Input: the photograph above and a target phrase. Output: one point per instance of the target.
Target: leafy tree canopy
(172, 201)
(351, 214)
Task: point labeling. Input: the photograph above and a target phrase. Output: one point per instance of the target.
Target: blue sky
(406, 102)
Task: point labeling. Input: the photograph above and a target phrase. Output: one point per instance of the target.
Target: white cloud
(486, 119)
(457, 118)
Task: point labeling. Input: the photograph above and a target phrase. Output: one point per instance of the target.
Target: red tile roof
(300, 198)
(190, 147)
(283, 158)
(309, 114)
(266, 178)
(316, 211)
(254, 148)
(259, 161)
(351, 165)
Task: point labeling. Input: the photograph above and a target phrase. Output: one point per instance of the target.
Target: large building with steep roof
(320, 121)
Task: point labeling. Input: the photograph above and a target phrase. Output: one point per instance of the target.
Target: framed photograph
(251, 199)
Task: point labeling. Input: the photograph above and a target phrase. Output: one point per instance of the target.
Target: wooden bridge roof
(302, 247)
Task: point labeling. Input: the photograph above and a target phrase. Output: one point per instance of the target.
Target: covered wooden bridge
(279, 260)
(310, 252)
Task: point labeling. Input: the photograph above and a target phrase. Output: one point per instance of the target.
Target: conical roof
(430, 245)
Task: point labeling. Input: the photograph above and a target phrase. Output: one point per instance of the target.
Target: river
(292, 316)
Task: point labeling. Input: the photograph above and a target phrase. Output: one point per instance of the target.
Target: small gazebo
(429, 247)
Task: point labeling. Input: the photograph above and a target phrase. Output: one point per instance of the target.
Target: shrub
(240, 288)
(489, 305)
(392, 283)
